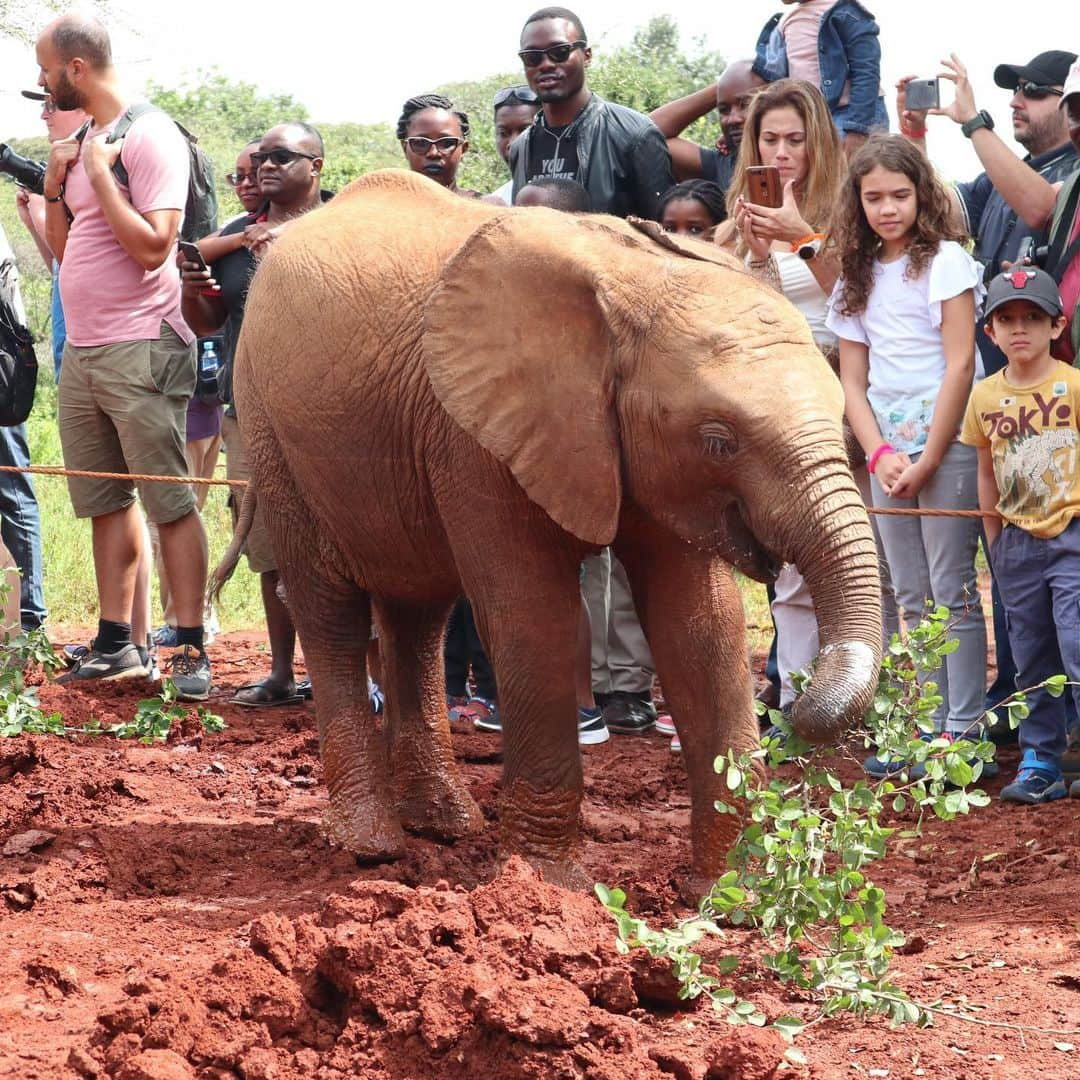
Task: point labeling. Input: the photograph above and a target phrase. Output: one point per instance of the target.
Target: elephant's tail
(225, 568)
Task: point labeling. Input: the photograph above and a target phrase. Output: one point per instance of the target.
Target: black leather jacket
(623, 160)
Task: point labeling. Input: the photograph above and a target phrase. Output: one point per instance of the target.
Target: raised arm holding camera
(989, 207)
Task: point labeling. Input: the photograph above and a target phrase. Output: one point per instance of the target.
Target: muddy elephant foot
(371, 838)
(440, 808)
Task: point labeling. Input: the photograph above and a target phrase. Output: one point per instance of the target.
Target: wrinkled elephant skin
(443, 397)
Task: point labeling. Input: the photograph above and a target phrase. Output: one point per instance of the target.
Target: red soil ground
(178, 915)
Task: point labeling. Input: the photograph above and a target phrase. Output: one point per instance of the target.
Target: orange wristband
(807, 240)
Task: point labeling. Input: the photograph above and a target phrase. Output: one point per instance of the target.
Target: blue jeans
(59, 324)
(934, 558)
(1039, 581)
(20, 524)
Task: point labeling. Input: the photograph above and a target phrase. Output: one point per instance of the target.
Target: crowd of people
(949, 315)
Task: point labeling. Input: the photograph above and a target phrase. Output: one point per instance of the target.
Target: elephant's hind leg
(430, 796)
(334, 623)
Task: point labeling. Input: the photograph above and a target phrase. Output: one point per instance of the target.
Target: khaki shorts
(259, 551)
(123, 408)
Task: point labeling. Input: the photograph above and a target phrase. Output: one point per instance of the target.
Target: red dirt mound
(172, 911)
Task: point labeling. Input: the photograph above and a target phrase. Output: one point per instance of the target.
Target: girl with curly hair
(904, 312)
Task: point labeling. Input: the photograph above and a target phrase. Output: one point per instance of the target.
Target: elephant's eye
(719, 440)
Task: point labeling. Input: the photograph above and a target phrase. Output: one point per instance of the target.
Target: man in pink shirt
(129, 361)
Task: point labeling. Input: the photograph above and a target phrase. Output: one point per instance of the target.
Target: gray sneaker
(125, 664)
(189, 669)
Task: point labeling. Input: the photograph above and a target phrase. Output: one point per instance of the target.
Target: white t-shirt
(798, 284)
(506, 193)
(902, 328)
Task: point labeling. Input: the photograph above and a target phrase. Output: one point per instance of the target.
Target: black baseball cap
(1024, 283)
(1047, 69)
(35, 95)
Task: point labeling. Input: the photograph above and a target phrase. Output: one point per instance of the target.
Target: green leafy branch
(798, 869)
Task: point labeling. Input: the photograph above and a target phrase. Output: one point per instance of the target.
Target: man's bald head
(297, 134)
(736, 86)
(81, 37)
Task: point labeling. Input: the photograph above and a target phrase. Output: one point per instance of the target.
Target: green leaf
(733, 777)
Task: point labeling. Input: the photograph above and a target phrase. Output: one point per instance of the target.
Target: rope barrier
(58, 470)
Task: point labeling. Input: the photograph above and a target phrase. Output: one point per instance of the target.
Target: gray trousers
(1039, 582)
(621, 659)
(933, 558)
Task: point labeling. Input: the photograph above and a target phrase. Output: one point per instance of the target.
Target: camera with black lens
(25, 172)
(1030, 255)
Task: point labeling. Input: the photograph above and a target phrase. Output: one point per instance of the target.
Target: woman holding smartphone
(791, 156)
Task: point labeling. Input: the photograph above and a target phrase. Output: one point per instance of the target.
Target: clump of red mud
(514, 979)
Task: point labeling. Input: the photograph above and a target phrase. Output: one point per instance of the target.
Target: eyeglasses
(1034, 91)
(557, 54)
(520, 94)
(48, 106)
(419, 145)
(279, 156)
(238, 178)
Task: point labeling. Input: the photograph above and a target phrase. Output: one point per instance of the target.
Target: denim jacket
(848, 51)
(623, 160)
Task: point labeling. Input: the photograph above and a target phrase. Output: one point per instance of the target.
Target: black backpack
(18, 367)
(201, 212)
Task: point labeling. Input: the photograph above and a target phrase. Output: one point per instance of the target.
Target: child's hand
(912, 480)
(889, 468)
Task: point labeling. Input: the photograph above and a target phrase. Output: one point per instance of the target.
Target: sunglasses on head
(557, 54)
(238, 178)
(279, 156)
(1034, 91)
(509, 94)
(419, 145)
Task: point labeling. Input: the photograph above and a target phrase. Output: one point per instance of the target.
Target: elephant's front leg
(431, 798)
(331, 619)
(692, 612)
(527, 605)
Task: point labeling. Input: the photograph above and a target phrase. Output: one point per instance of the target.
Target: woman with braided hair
(435, 136)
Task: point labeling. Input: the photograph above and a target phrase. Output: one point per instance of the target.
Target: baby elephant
(444, 397)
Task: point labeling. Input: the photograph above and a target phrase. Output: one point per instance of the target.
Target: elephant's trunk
(833, 548)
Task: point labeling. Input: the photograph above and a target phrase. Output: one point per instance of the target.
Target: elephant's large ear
(519, 347)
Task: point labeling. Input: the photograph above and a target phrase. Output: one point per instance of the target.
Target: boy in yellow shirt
(1024, 422)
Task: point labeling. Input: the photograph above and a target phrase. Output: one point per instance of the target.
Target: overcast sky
(347, 63)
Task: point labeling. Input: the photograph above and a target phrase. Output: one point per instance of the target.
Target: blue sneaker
(1036, 782)
(879, 769)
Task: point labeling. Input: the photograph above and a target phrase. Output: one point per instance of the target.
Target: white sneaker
(591, 730)
(676, 745)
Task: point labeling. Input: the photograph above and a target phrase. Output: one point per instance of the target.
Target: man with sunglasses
(982, 206)
(129, 361)
(618, 155)
(515, 109)
(288, 162)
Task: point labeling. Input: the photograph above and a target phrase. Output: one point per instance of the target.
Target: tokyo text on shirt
(1033, 434)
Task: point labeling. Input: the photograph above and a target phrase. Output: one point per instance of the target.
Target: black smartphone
(192, 253)
(922, 94)
(764, 184)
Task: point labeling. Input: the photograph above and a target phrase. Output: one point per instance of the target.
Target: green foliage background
(225, 114)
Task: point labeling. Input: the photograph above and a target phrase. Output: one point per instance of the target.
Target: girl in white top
(904, 311)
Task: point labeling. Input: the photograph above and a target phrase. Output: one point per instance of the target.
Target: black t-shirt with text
(552, 154)
(233, 272)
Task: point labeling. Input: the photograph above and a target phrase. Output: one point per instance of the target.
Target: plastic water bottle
(209, 366)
